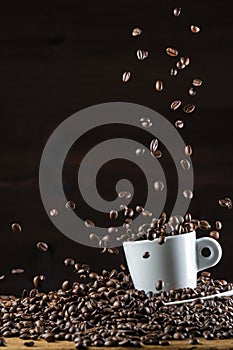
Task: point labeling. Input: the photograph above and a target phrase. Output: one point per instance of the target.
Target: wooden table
(17, 344)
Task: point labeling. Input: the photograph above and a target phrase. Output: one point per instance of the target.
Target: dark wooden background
(57, 57)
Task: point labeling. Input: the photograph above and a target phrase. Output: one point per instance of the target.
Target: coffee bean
(177, 11)
(159, 285)
(180, 65)
(28, 343)
(17, 271)
(172, 52)
(124, 194)
(214, 234)
(185, 164)
(218, 225)
(179, 124)
(164, 342)
(65, 285)
(158, 185)
(173, 71)
(154, 145)
(185, 60)
(175, 104)
(113, 251)
(113, 214)
(189, 108)
(188, 150)
(70, 205)
(145, 122)
(53, 212)
(139, 208)
(126, 76)
(16, 228)
(89, 223)
(49, 337)
(195, 29)
(129, 212)
(37, 281)
(197, 82)
(192, 92)
(2, 342)
(69, 262)
(136, 31)
(188, 194)
(2, 277)
(157, 154)
(159, 85)
(161, 239)
(204, 225)
(194, 341)
(146, 255)
(142, 54)
(42, 246)
(178, 336)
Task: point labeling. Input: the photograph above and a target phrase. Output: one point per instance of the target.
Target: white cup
(176, 262)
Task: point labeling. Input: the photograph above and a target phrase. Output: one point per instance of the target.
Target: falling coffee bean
(177, 11)
(173, 71)
(53, 212)
(145, 122)
(70, 205)
(218, 225)
(197, 82)
(188, 194)
(159, 85)
(42, 246)
(180, 65)
(69, 262)
(192, 92)
(17, 271)
(113, 214)
(179, 124)
(140, 151)
(185, 60)
(157, 154)
(188, 150)
(89, 223)
(154, 145)
(214, 234)
(158, 185)
(161, 239)
(175, 104)
(195, 29)
(142, 54)
(37, 281)
(136, 31)
(189, 108)
(159, 285)
(171, 51)
(16, 228)
(139, 208)
(2, 277)
(126, 76)
(146, 255)
(204, 225)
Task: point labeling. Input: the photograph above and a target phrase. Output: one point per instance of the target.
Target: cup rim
(154, 240)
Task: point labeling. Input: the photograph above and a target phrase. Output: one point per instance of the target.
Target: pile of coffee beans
(107, 311)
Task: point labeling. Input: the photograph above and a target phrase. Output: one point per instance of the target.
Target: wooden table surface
(15, 343)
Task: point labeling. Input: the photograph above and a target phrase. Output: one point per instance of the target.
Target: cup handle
(215, 252)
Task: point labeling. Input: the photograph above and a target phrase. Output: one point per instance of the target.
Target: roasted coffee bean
(139, 208)
(37, 281)
(192, 92)
(180, 65)
(218, 225)
(70, 205)
(194, 341)
(159, 85)
(159, 285)
(113, 251)
(69, 262)
(2, 342)
(188, 150)
(195, 29)
(172, 52)
(161, 239)
(173, 72)
(17, 271)
(185, 60)
(146, 255)
(129, 212)
(158, 185)
(2, 277)
(42, 246)
(113, 214)
(16, 228)
(204, 225)
(154, 145)
(89, 223)
(188, 194)
(189, 108)
(197, 82)
(175, 105)
(126, 76)
(28, 343)
(49, 337)
(177, 11)
(145, 122)
(65, 285)
(140, 151)
(178, 336)
(142, 54)
(179, 124)
(53, 212)
(214, 234)
(164, 342)
(136, 31)
(157, 154)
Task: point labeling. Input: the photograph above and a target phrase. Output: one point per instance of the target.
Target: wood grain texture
(17, 344)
